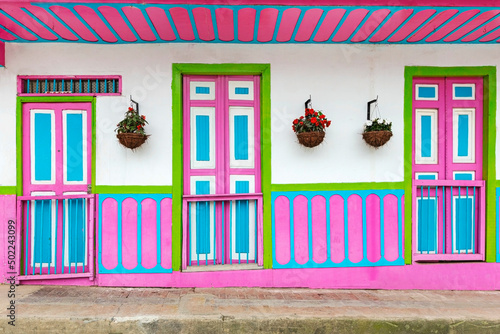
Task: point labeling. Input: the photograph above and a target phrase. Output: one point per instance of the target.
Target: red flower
(315, 113)
(313, 120)
(295, 121)
(143, 117)
(301, 123)
(322, 116)
(130, 108)
(301, 117)
(328, 123)
(139, 126)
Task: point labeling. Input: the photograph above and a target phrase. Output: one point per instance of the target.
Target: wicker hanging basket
(131, 140)
(377, 138)
(311, 139)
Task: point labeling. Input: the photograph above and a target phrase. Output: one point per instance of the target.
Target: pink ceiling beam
(370, 25)
(52, 22)
(486, 29)
(182, 23)
(410, 26)
(95, 22)
(161, 23)
(73, 22)
(29, 22)
(470, 26)
(491, 36)
(116, 22)
(2, 54)
(289, 20)
(452, 25)
(16, 28)
(138, 21)
(329, 24)
(432, 25)
(246, 24)
(350, 24)
(203, 21)
(391, 25)
(267, 24)
(225, 24)
(308, 24)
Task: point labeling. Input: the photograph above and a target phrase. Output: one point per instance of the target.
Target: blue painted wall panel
(76, 231)
(427, 92)
(463, 92)
(427, 225)
(43, 147)
(426, 135)
(463, 135)
(241, 91)
(463, 223)
(241, 137)
(43, 232)
(202, 219)
(202, 90)
(202, 138)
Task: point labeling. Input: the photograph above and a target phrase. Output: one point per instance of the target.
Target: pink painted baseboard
(7, 212)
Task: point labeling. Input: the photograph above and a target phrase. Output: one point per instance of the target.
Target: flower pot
(377, 138)
(131, 140)
(311, 139)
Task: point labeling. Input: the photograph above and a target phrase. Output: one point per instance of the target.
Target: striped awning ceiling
(239, 21)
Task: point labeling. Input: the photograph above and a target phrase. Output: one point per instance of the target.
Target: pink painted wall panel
(149, 233)
(109, 256)
(350, 24)
(471, 25)
(7, 212)
(267, 23)
(95, 22)
(412, 24)
(117, 23)
(73, 22)
(391, 228)
(129, 233)
(225, 24)
(287, 25)
(246, 24)
(138, 21)
(282, 229)
(16, 28)
(370, 25)
(318, 213)
(166, 232)
(160, 21)
(308, 24)
(355, 228)
(203, 20)
(432, 25)
(456, 22)
(373, 228)
(52, 22)
(391, 25)
(29, 22)
(182, 23)
(329, 24)
(301, 229)
(337, 228)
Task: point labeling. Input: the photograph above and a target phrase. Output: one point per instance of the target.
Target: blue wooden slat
(63, 88)
(223, 245)
(474, 221)
(80, 86)
(84, 223)
(28, 234)
(230, 236)
(215, 233)
(65, 201)
(444, 220)
(37, 85)
(451, 213)
(203, 219)
(242, 223)
(114, 86)
(97, 86)
(29, 88)
(88, 86)
(46, 86)
(241, 137)
(105, 85)
(71, 86)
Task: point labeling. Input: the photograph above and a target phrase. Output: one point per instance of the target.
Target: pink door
(221, 157)
(447, 168)
(57, 150)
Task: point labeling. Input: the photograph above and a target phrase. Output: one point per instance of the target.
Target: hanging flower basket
(311, 139)
(132, 140)
(310, 128)
(377, 138)
(130, 131)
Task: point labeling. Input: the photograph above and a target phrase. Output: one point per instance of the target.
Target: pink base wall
(7, 212)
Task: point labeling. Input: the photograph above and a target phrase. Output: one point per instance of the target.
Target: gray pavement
(74, 309)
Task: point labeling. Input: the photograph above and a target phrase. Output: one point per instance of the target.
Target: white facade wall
(340, 78)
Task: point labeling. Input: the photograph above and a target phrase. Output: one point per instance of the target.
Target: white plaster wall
(340, 78)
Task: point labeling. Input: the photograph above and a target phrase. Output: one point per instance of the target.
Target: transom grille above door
(77, 85)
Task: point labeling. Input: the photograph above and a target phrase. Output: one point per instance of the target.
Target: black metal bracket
(369, 107)
(308, 103)
(136, 104)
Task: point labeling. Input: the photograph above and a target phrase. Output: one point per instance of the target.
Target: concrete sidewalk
(67, 309)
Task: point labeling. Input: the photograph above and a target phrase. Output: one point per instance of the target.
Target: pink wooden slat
(29, 22)
(225, 24)
(129, 233)
(370, 25)
(287, 25)
(246, 24)
(51, 22)
(355, 228)
(109, 231)
(373, 228)
(166, 233)
(301, 229)
(490, 26)
(308, 24)
(432, 25)
(452, 25)
(473, 24)
(16, 28)
(95, 22)
(337, 239)
(267, 24)
(203, 21)
(391, 25)
(350, 24)
(7, 36)
(182, 23)
(160, 21)
(148, 233)
(391, 229)
(73, 22)
(410, 26)
(116, 21)
(318, 208)
(141, 26)
(282, 229)
(329, 24)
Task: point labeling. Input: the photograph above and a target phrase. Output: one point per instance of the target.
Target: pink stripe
(287, 25)
(166, 233)
(282, 232)
(203, 20)
(473, 24)
(431, 26)
(182, 23)
(246, 24)
(337, 239)
(148, 233)
(129, 233)
(300, 229)
(410, 26)
(109, 231)
(329, 24)
(370, 25)
(141, 26)
(2, 54)
(391, 228)
(308, 24)
(52, 22)
(117, 23)
(73, 22)
(94, 21)
(373, 222)
(391, 25)
(29, 22)
(355, 228)
(6, 36)
(452, 25)
(16, 28)
(350, 24)
(160, 21)
(490, 26)
(225, 24)
(318, 208)
(267, 23)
